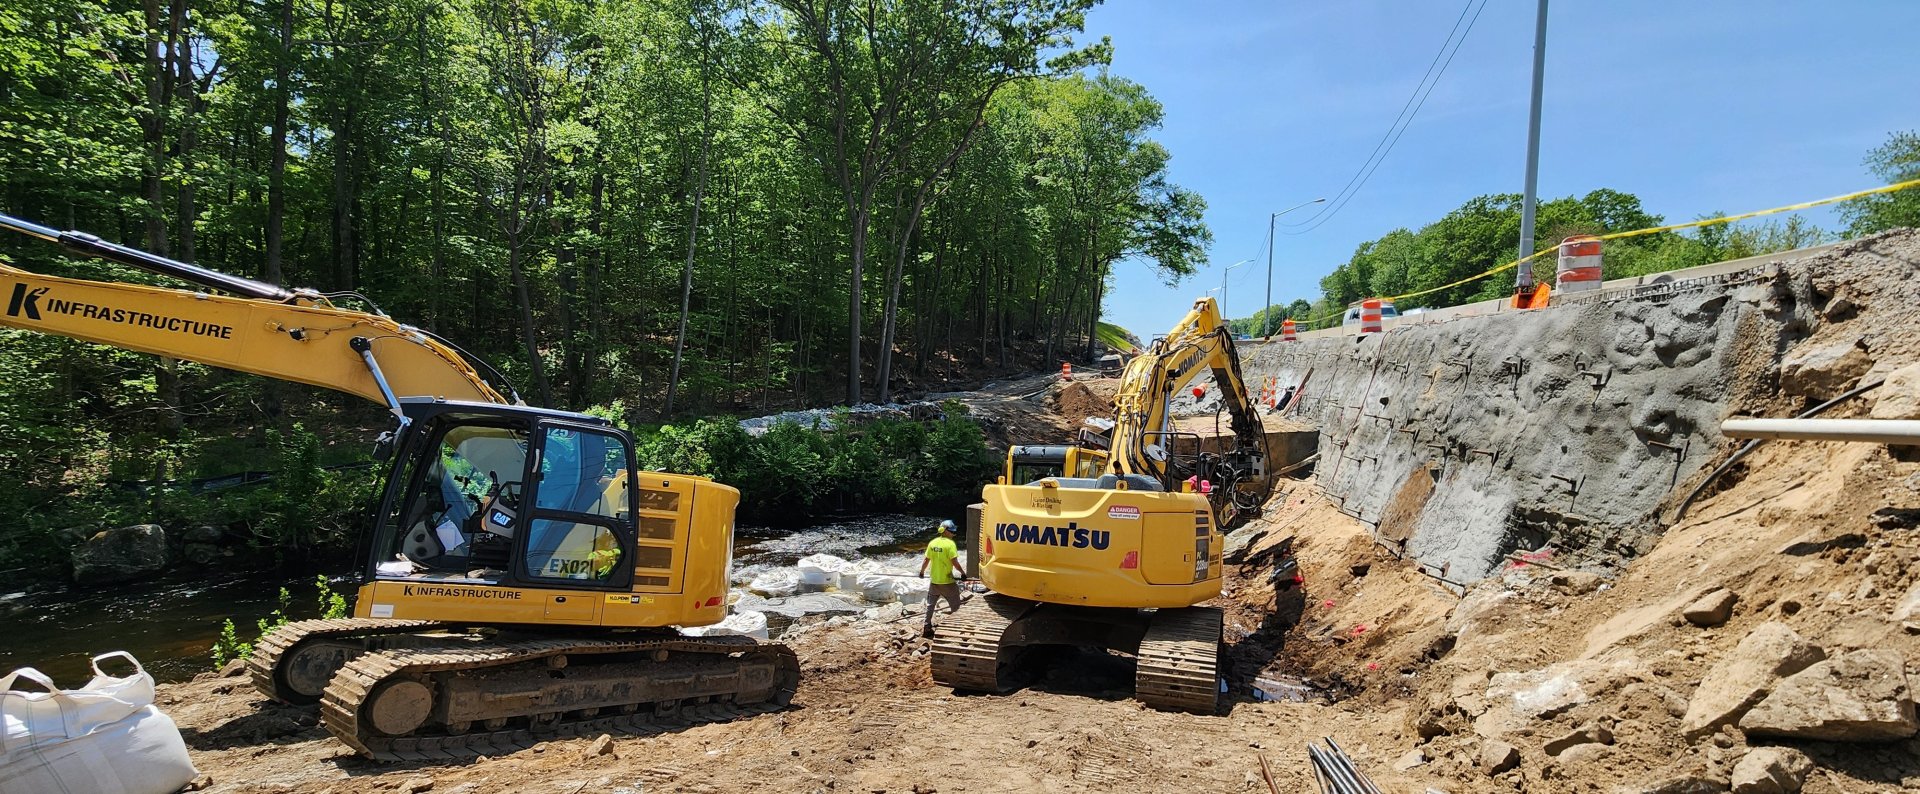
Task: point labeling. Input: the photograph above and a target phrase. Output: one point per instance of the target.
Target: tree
(1897, 160)
(863, 85)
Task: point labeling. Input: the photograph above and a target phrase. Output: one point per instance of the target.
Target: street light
(1223, 283)
(1266, 320)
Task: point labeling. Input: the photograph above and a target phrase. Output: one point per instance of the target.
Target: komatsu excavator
(1112, 542)
(522, 576)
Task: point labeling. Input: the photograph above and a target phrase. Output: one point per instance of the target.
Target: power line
(1415, 102)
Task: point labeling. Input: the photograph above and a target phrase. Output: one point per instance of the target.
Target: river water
(170, 624)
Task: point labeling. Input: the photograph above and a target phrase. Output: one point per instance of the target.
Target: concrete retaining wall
(1472, 436)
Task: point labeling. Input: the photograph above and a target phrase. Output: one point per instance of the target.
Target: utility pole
(1266, 313)
(1523, 275)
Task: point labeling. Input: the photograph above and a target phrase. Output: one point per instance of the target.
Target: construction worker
(944, 558)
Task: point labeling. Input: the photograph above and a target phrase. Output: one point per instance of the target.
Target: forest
(682, 208)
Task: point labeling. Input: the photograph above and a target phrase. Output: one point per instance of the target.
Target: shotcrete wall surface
(1571, 427)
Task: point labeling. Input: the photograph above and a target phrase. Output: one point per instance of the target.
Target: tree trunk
(693, 227)
(275, 272)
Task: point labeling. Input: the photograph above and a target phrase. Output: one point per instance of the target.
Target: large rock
(1860, 696)
(1771, 770)
(120, 555)
(1711, 610)
(1825, 371)
(1744, 677)
(1899, 396)
(1497, 756)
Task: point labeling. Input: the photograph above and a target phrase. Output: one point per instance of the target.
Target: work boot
(927, 630)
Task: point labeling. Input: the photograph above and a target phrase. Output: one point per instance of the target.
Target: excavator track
(1178, 662)
(268, 665)
(966, 644)
(486, 698)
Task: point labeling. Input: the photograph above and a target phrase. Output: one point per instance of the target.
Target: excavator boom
(266, 330)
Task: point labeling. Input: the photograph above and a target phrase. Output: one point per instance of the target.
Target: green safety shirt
(940, 555)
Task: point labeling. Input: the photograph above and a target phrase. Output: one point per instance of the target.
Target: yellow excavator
(522, 578)
(1113, 541)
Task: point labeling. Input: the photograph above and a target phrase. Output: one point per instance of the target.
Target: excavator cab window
(457, 514)
(494, 497)
(580, 528)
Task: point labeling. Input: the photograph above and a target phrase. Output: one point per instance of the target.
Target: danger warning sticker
(1124, 512)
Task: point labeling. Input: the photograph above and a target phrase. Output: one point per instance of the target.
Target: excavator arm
(294, 335)
(1142, 434)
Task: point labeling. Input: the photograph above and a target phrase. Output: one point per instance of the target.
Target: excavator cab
(508, 495)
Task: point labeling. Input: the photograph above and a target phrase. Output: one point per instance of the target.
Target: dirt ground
(1424, 679)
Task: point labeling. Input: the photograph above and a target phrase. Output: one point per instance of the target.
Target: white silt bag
(749, 624)
(105, 737)
(821, 570)
(882, 588)
(850, 578)
(776, 583)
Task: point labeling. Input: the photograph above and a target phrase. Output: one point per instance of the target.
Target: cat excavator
(1112, 542)
(522, 577)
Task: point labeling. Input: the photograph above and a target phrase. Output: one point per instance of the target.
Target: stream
(170, 624)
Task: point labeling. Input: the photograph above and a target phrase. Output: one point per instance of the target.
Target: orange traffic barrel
(1066, 370)
(1370, 316)
(1287, 332)
(1579, 264)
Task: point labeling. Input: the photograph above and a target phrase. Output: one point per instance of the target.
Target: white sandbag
(776, 583)
(821, 570)
(883, 588)
(104, 737)
(913, 589)
(748, 624)
(850, 578)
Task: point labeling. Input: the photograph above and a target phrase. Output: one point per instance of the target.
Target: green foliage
(1897, 160)
(792, 473)
(328, 605)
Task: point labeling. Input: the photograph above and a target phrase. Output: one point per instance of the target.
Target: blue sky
(1696, 107)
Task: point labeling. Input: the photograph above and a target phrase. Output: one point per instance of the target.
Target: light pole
(1523, 275)
(1223, 283)
(1266, 318)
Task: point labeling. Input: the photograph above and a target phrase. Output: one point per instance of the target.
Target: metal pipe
(1873, 431)
(1754, 444)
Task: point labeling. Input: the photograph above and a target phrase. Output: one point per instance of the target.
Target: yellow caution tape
(1897, 186)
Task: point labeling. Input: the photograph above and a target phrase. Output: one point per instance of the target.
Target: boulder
(1770, 652)
(1584, 754)
(1771, 770)
(1899, 396)
(1909, 606)
(1589, 733)
(1686, 784)
(201, 534)
(1824, 372)
(1711, 609)
(1497, 756)
(200, 554)
(121, 555)
(1576, 582)
(1860, 696)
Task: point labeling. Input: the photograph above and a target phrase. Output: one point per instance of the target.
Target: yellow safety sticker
(624, 598)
